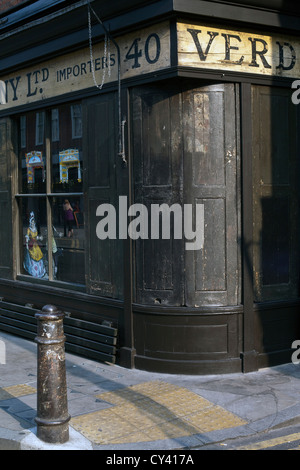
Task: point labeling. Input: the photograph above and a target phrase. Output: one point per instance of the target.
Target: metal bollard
(52, 405)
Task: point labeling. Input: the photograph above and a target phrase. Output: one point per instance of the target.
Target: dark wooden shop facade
(152, 102)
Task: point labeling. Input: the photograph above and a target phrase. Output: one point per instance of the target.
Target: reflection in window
(68, 161)
(55, 124)
(35, 162)
(32, 157)
(23, 131)
(39, 130)
(66, 153)
(76, 121)
(69, 239)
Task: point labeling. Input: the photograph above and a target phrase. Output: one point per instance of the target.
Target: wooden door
(210, 154)
(104, 259)
(185, 152)
(157, 144)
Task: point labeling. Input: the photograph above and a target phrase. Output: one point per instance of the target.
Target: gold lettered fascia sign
(209, 47)
(141, 52)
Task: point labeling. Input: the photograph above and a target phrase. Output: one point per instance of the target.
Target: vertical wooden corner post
(52, 405)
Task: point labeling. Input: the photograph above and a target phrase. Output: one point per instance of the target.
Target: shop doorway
(185, 143)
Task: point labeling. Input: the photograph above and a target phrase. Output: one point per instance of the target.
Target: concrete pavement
(113, 408)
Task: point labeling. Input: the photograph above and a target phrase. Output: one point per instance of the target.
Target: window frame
(48, 196)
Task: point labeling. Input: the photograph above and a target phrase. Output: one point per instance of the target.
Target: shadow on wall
(276, 215)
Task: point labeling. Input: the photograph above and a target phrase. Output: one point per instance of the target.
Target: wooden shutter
(104, 258)
(185, 151)
(210, 178)
(158, 180)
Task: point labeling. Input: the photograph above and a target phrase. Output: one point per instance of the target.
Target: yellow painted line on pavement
(271, 442)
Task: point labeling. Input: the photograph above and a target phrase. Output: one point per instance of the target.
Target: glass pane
(32, 153)
(66, 148)
(68, 239)
(34, 254)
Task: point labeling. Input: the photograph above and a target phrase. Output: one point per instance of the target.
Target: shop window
(50, 196)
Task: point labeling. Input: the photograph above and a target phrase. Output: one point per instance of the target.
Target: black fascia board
(241, 11)
(21, 15)
(69, 32)
(287, 6)
(16, 17)
(246, 13)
